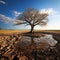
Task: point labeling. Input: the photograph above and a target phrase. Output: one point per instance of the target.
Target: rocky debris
(7, 44)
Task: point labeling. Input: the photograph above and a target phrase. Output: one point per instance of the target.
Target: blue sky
(10, 9)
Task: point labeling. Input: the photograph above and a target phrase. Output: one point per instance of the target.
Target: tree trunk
(32, 27)
(32, 40)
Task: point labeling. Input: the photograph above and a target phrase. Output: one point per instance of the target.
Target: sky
(10, 9)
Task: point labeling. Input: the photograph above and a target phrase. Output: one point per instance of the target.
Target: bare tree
(32, 17)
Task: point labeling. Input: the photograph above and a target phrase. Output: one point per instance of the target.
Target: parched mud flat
(28, 47)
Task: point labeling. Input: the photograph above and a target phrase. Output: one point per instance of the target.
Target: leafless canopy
(32, 17)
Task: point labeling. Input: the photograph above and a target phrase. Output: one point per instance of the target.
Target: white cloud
(50, 11)
(17, 13)
(17, 22)
(3, 2)
(5, 19)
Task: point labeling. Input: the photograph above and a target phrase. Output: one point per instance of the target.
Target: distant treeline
(1, 28)
(6, 29)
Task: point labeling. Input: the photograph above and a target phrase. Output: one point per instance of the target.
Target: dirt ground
(22, 31)
(12, 31)
(11, 47)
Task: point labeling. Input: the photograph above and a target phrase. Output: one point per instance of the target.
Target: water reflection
(36, 48)
(43, 42)
(47, 39)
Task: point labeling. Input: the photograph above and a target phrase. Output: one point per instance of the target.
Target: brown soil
(11, 47)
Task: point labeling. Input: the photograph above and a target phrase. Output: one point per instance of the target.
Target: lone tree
(32, 17)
